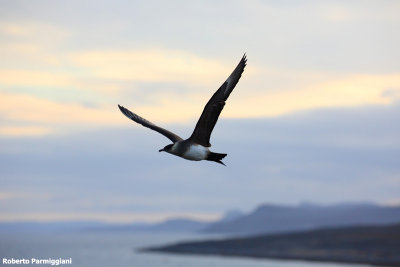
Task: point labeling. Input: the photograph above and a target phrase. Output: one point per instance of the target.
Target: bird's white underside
(195, 152)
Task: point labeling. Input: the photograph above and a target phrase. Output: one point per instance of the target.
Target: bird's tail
(217, 157)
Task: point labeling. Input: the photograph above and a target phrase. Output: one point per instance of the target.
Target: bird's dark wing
(209, 117)
(136, 118)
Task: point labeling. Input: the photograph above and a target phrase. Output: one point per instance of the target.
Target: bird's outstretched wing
(136, 118)
(209, 117)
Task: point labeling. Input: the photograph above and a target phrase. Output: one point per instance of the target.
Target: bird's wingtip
(122, 109)
(244, 58)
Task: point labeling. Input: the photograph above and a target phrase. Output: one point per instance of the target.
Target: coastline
(374, 245)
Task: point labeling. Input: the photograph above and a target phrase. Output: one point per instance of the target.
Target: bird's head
(167, 148)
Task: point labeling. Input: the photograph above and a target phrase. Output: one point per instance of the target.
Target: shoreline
(374, 245)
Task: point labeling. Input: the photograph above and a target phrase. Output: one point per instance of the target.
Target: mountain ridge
(269, 218)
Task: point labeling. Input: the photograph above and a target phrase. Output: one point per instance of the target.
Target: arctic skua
(196, 147)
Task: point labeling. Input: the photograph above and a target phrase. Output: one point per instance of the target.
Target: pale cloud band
(51, 79)
(101, 76)
(249, 101)
(113, 217)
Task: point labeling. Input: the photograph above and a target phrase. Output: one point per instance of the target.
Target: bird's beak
(161, 150)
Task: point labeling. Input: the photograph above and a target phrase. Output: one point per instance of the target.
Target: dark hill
(378, 245)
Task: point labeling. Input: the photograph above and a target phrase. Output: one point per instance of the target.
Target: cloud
(151, 65)
(23, 131)
(43, 115)
(156, 84)
(355, 90)
(32, 30)
(49, 69)
(115, 217)
(392, 93)
(33, 78)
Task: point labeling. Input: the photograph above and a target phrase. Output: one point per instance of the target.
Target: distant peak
(231, 215)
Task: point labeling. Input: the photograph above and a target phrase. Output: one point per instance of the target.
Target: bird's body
(196, 147)
(189, 150)
(196, 152)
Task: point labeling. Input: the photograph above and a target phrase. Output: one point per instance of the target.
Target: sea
(119, 249)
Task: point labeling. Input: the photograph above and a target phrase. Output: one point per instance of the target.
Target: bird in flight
(196, 147)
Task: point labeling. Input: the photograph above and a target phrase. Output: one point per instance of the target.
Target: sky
(314, 117)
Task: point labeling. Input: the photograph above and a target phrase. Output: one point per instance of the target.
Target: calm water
(120, 249)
